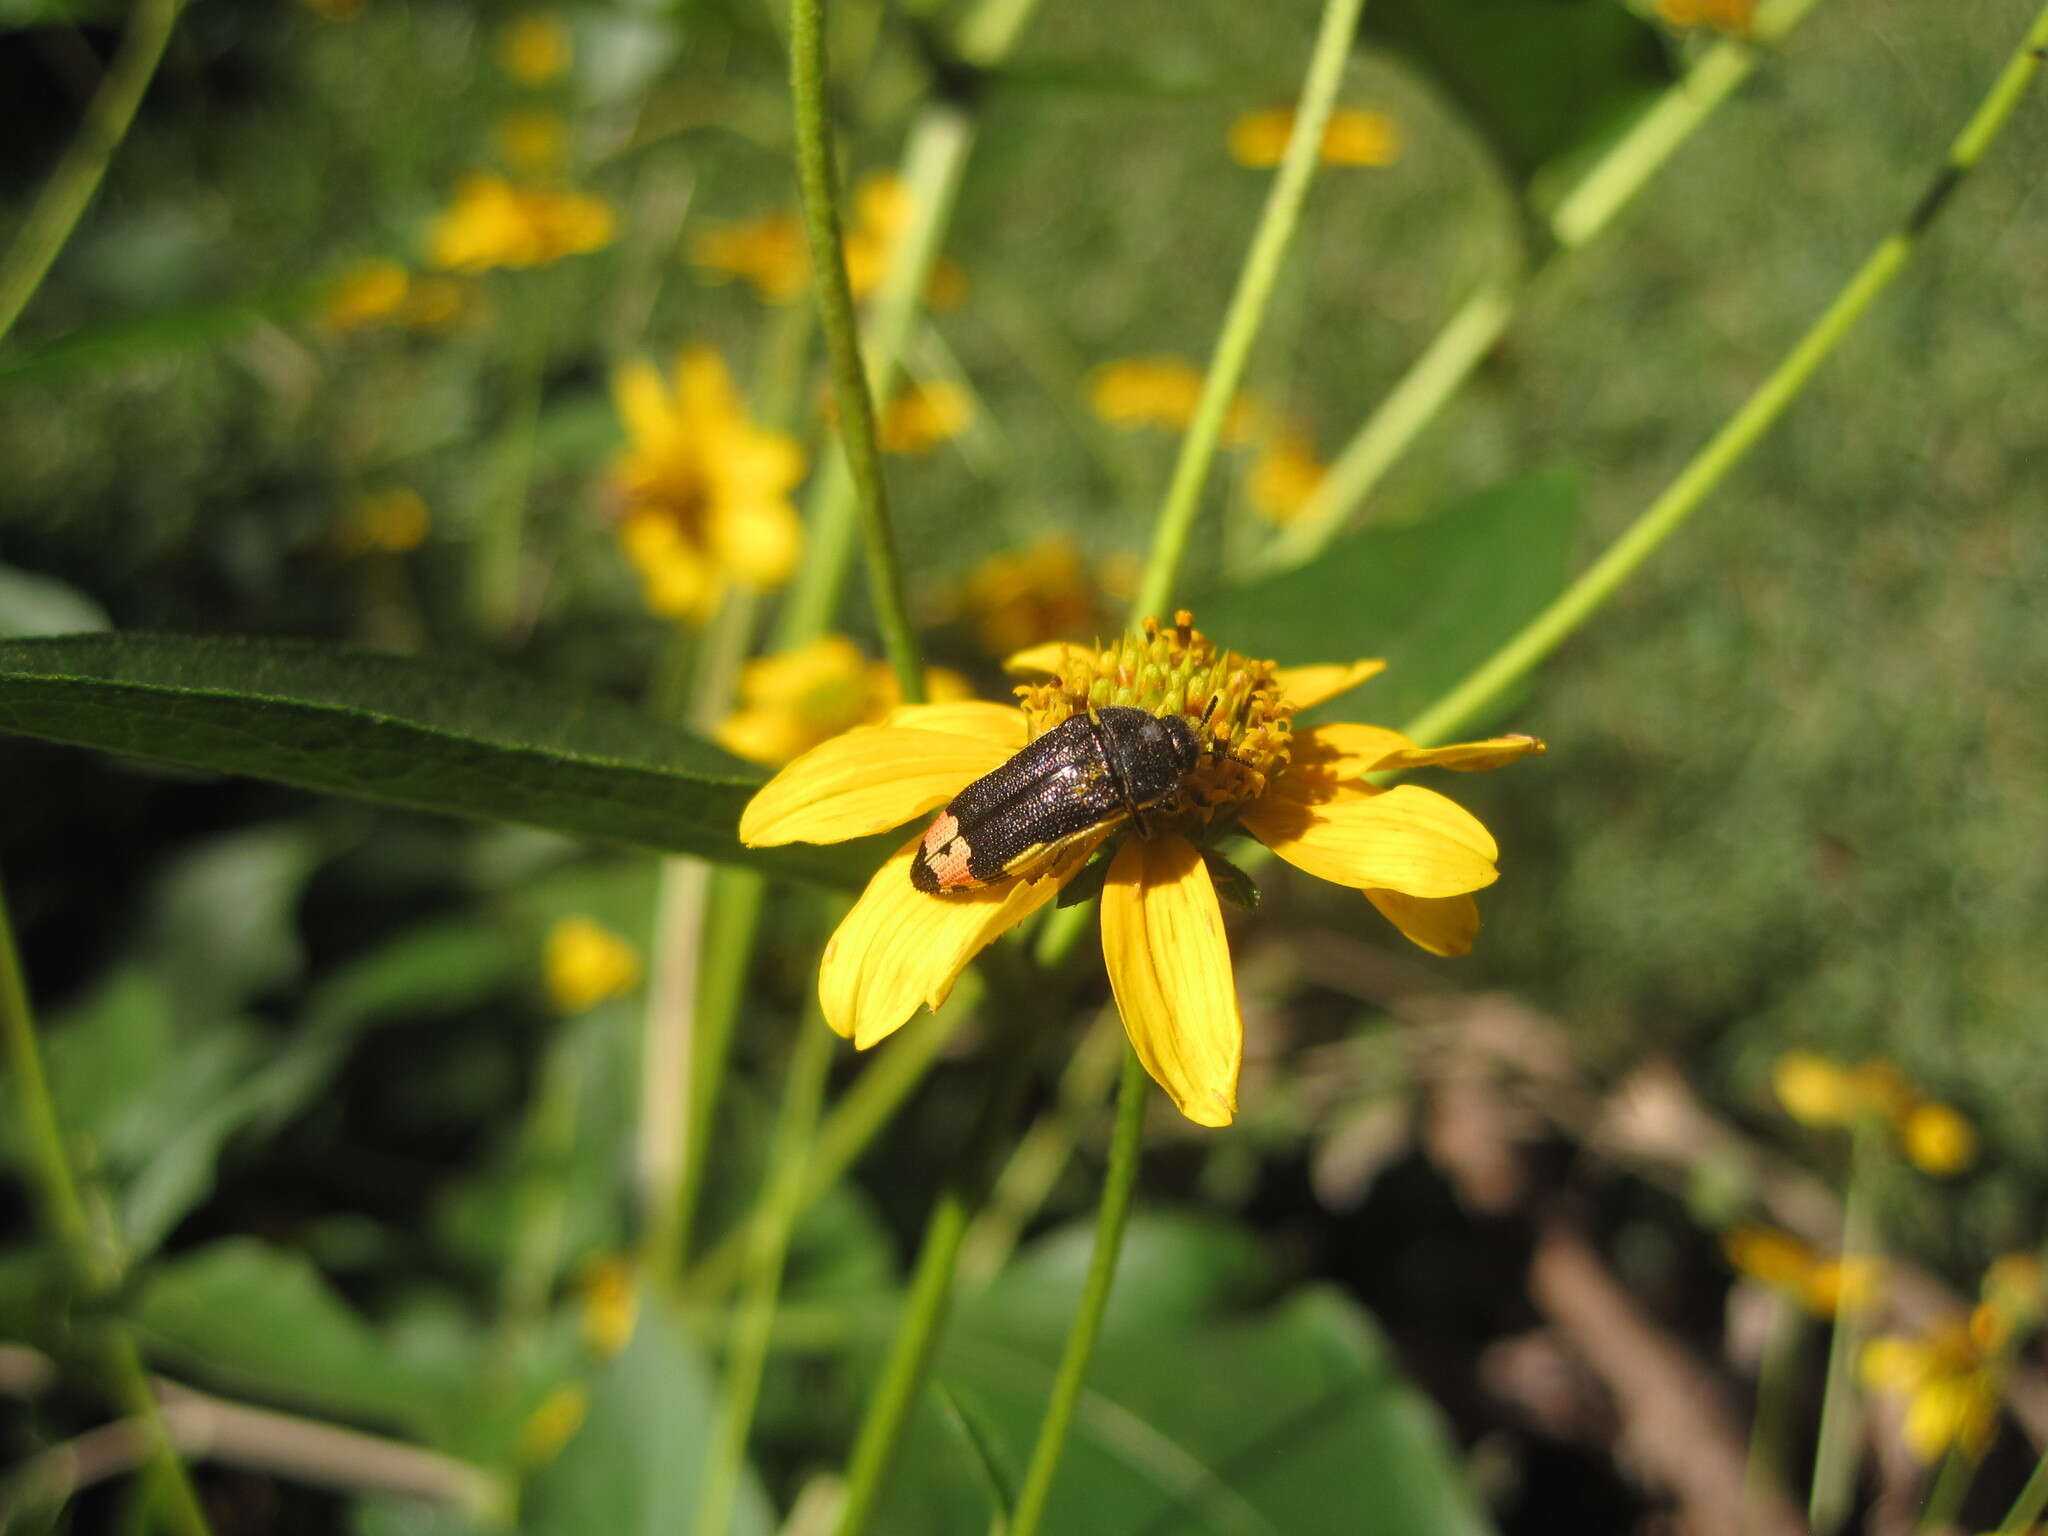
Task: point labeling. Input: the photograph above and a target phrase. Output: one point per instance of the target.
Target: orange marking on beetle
(944, 854)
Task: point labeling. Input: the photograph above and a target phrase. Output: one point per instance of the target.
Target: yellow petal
(643, 404)
(1306, 687)
(900, 946)
(867, 780)
(1405, 839)
(1049, 657)
(760, 542)
(1465, 756)
(1162, 941)
(1443, 925)
(1002, 725)
(1345, 749)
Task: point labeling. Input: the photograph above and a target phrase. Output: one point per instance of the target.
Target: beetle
(1080, 778)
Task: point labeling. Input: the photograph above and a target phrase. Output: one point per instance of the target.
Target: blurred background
(362, 277)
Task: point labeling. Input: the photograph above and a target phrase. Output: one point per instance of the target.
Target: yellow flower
(533, 142)
(1284, 476)
(1951, 1390)
(535, 49)
(611, 1306)
(705, 489)
(1813, 1089)
(1163, 392)
(552, 1424)
(794, 700)
(1937, 1139)
(493, 223)
(1354, 137)
(770, 255)
(1026, 596)
(587, 963)
(439, 303)
(368, 293)
(392, 521)
(1415, 854)
(1721, 15)
(924, 416)
(1785, 1263)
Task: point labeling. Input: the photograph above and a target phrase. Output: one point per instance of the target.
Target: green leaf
(1435, 598)
(635, 1467)
(1202, 1414)
(1232, 884)
(426, 734)
(967, 1421)
(258, 1319)
(1540, 80)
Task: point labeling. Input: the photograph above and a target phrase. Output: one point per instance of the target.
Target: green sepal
(1232, 883)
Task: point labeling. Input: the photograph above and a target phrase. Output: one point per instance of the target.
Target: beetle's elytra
(1084, 775)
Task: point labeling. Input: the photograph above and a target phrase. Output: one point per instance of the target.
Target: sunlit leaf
(426, 734)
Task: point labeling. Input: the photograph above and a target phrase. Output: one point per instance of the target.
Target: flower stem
(1834, 1458)
(1732, 443)
(66, 195)
(1248, 303)
(818, 176)
(1117, 1187)
(934, 158)
(910, 1352)
(781, 1205)
(95, 1263)
(855, 1121)
(1607, 186)
(2026, 1509)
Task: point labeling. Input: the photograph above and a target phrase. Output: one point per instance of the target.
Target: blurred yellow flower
(1354, 137)
(493, 223)
(439, 303)
(587, 963)
(1163, 392)
(1951, 1390)
(922, 416)
(793, 700)
(705, 490)
(1415, 855)
(368, 293)
(1284, 476)
(1787, 1264)
(770, 255)
(534, 49)
(552, 1424)
(1813, 1089)
(610, 1293)
(1937, 1139)
(390, 521)
(1721, 15)
(533, 142)
(1022, 597)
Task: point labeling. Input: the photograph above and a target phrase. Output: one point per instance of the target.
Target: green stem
(1834, 1457)
(855, 1121)
(95, 1264)
(2026, 1509)
(497, 554)
(1248, 303)
(816, 173)
(910, 1352)
(934, 159)
(1732, 443)
(782, 1203)
(548, 1137)
(1951, 1484)
(65, 196)
(1607, 186)
(1776, 1393)
(1117, 1188)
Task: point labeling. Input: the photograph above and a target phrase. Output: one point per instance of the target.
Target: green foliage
(1209, 1408)
(427, 734)
(1434, 598)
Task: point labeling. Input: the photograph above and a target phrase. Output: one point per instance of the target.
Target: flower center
(1232, 702)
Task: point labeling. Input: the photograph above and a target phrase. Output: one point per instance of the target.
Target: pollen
(1233, 702)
